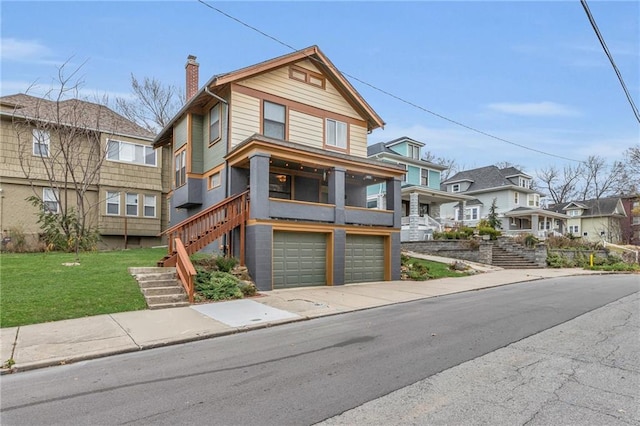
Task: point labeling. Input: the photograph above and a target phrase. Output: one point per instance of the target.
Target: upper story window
(516, 198)
(41, 142)
(424, 177)
(574, 213)
(131, 153)
(533, 200)
(525, 183)
(215, 180)
(336, 134)
(113, 203)
(404, 176)
(50, 200)
(414, 152)
(274, 124)
(455, 187)
(180, 168)
(307, 76)
(214, 123)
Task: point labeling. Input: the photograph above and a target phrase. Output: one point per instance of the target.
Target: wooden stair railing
(205, 227)
(184, 269)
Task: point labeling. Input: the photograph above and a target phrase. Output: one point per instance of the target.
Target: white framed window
(180, 168)
(424, 177)
(336, 134)
(274, 120)
(414, 152)
(149, 206)
(404, 176)
(525, 183)
(41, 142)
(455, 187)
(131, 153)
(516, 198)
(113, 203)
(533, 200)
(131, 204)
(574, 229)
(471, 213)
(215, 180)
(50, 200)
(214, 123)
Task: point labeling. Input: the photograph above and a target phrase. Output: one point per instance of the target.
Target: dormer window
(414, 152)
(525, 183)
(455, 187)
(574, 213)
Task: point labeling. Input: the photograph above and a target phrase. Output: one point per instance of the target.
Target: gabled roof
(594, 207)
(71, 112)
(404, 139)
(483, 178)
(218, 82)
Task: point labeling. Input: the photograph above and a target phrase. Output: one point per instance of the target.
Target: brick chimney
(191, 68)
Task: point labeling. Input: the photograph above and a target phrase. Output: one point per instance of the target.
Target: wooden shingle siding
(245, 113)
(305, 129)
(278, 83)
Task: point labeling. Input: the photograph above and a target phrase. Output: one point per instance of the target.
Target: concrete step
(158, 283)
(150, 270)
(169, 305)
(160, 291)
(165, 298)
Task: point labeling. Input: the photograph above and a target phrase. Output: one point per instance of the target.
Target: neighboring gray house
(517, 205)
(420, 193)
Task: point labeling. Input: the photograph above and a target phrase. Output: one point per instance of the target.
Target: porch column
(259, 185)
(535, 220)
(414, 216)
(337, 192)
(394, 200)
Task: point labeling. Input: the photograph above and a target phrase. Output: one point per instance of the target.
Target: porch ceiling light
(281, 178)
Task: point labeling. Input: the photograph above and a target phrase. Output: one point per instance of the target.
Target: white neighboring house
(517, 205)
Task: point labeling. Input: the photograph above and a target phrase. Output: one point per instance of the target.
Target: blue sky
(529, 72)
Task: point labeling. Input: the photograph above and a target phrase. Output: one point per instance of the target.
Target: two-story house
(270, 165)
(420, 192)
(517, 204)
(595, 220)
(111, 155)
(631, 226)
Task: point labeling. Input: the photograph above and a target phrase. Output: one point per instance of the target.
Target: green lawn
(36, 287)
(436, 269)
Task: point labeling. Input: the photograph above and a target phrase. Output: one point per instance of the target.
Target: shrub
(226, 264)
(418, 272)
(248, 289)
(221, 286)
(493, 233)
(202, 277)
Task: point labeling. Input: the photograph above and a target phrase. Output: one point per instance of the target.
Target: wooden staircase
(205, 227)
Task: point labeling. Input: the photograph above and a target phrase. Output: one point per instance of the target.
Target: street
(303, 373)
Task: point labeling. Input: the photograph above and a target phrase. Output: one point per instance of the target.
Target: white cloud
(534, 109)
(23, 50)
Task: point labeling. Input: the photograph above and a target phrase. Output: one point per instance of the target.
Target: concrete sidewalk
(62, 342)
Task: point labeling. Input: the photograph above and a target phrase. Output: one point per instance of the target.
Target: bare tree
(59, 149)
(153, 103)
(561, 185)
(600, 180)
(632, 168)
(507, 164)
(450, 164)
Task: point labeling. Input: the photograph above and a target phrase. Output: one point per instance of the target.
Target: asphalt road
(301, 373)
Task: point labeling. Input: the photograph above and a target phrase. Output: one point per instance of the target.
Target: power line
(457, 123)
(592, 21)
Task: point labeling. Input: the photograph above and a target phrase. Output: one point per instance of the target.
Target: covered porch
(420, 214)
(538, 222)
